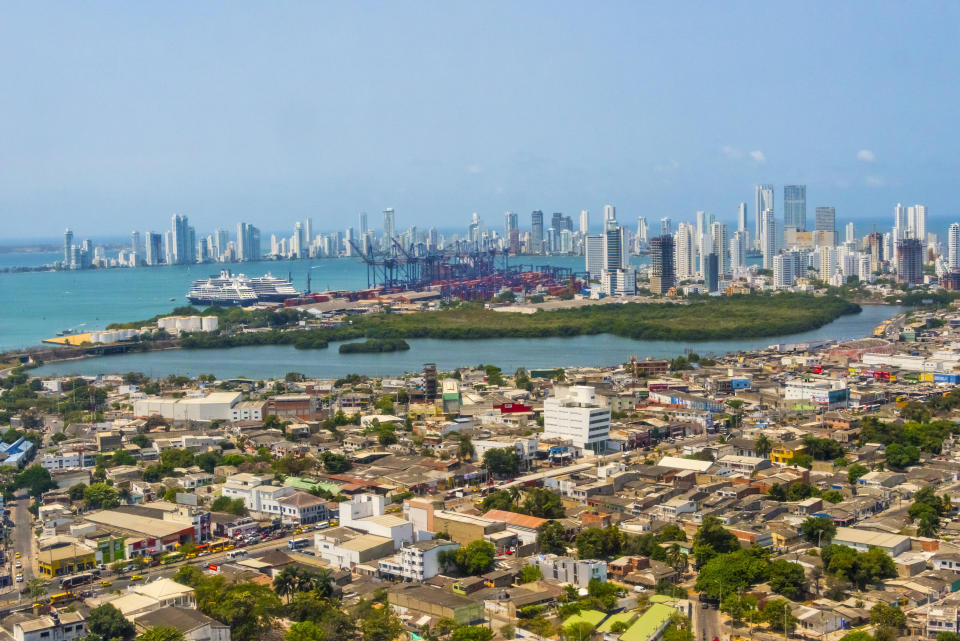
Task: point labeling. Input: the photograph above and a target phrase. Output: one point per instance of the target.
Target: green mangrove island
(696, 319)
(375, 346)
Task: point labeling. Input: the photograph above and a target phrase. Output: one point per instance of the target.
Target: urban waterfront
(44, 303)
(507, 353)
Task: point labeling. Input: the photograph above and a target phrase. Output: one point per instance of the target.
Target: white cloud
(758, 156)
(731, 152)
(866, 155)
(875, 181)
(474, 169)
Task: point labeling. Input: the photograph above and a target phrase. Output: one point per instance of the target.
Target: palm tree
(762, 445)
(321, 582)
(285, 583)
(676, 558)
(514, 494)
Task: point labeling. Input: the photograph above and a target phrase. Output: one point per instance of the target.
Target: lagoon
(508, 353)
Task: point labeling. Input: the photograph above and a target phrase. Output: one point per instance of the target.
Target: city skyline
(171, 125)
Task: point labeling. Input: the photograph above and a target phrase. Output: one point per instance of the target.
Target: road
(707, 624)
(23, 535)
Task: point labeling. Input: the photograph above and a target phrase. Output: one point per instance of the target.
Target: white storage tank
(189, 324)
(168, 323)
(210, 323)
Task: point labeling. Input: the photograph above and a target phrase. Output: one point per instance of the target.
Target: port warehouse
(227, 406)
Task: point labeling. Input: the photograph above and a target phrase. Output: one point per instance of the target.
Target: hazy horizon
(118, 115)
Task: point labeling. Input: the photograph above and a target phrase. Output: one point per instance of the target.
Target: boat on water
(229, 289)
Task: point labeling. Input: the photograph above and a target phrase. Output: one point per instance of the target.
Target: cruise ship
(229, 289)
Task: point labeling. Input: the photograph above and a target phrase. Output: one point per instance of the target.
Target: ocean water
(273, 361)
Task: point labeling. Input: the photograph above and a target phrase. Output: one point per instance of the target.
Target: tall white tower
(953, 246)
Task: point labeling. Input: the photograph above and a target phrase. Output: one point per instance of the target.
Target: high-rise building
(362, 224)
(642, 229)
(573, 414)
(877, 250)
(910, 261)
(850, 236)
(764, 202)
(594, 256)
(720, 246)
(711, 272)
(662, 276)
(536, 233)
(783, 271)
(514, 240)
(917, 225)
(771, 241)
(389, 229)
(67, 247)
(584, 222)
(826, 219)
(221, 239)
(685, 252)
(666, 226)
(614, 277)
(827, 262)
(307, 234)
(180, 242)
(738, 249)
(953, 246)
(742, 217)
(795, 207)
(154, 248)
(704, 222)
(510, 222)
(609, 213)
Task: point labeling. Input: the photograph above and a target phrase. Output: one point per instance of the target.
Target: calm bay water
(507, 353)
(37, 305)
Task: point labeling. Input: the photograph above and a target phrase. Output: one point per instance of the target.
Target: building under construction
(467, 275)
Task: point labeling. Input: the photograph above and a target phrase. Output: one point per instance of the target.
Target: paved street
(706, 624)
(22, 535)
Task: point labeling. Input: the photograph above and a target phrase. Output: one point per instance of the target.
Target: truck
(296, 544)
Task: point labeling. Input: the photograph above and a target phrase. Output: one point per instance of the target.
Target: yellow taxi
(136, 577)
(106, 584)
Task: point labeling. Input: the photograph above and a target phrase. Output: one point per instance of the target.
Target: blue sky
(117, 114)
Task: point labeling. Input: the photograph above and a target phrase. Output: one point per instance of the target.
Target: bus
(235, 554)
(68, 582)
(62, 597)
(173, 557)
(296, 544)
(219, 545)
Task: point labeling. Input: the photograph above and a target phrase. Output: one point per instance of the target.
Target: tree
(671, 532)
(712, 538)
(731, 572)
(380, 624)
(161, 633)
(855, 472)
(762, 446)
(580, 631)
(777, 614)
(596, 543)
(76, 491)
(544, 504)
(787, 579)
(35, 480)
(888, 616)
(550, 538)
(335, 463)
(472, 633)
(101, 496)
(530, 573)
(305, 631)
(108, 623)
(501, 461)
(818, 529)
(465, 448)
(901, 456)
(475, 558)
(248, 608)
(36, 588)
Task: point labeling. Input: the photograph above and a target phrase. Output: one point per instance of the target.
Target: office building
(742, 217)
(720, 246)
(795, 207)
(594, 256)
(876, 247)
(154, 248)
(248, 243)
(850, 235)
(536, 233)
(953, 246)
(826, 219)
(662, 275)
(666, 226)
(685, 252)
(389, 229)
(510, 222)
(362, 224)
(711, 276)
(584, 222)
(642, 229)
(573, 414)
(738, 250)
(770, 242)
(67, 246)
(616, 279)
(910, 261)
(180, 245)
(609, 213)
(764, 202)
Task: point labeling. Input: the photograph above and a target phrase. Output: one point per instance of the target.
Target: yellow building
(784, 451)
(66, 560)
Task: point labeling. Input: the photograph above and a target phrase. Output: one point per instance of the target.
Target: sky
(115, 115)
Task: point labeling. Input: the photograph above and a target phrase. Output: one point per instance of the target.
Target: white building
(953, 246)
(771, 238)
(417, 562)
(783, 276)
(685, 252)
(257, 492)
(594, 255)
(573, 414)
(64, 626)
(564, 569)
(366, 512)
(214, 406)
